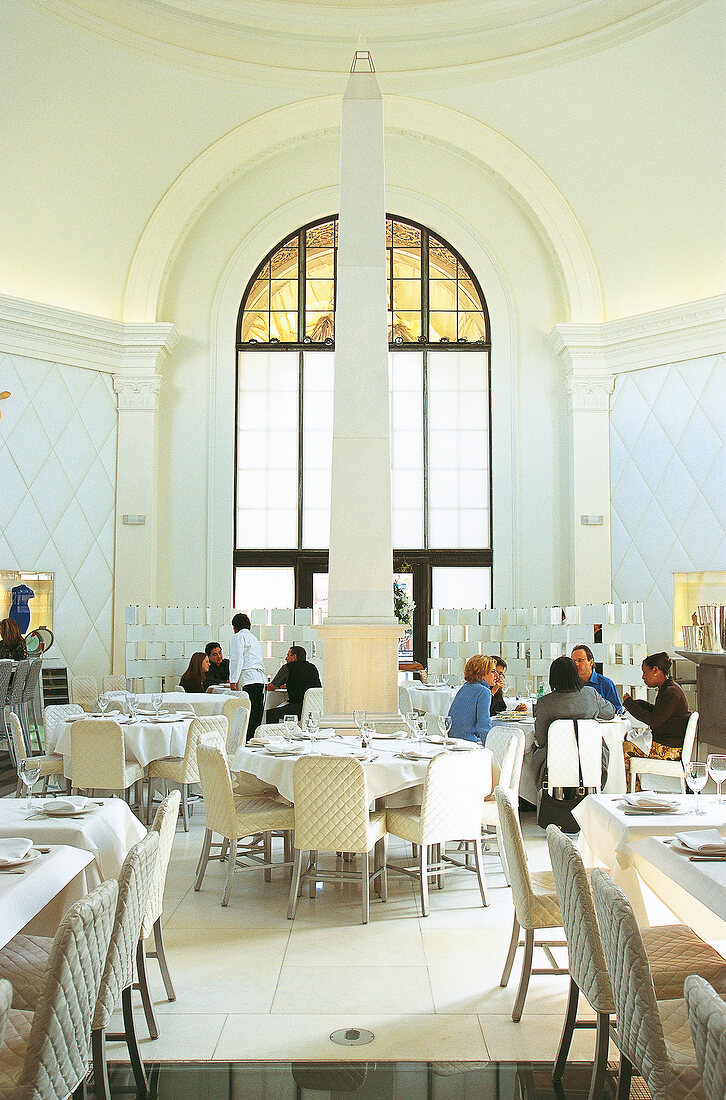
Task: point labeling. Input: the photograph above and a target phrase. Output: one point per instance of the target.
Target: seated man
(583, 658)
(297, 674)
(218, 666)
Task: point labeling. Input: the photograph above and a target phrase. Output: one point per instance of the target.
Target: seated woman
(667, 716)
(569, 698)
(193, 678)
(469, 710)
(12, 646)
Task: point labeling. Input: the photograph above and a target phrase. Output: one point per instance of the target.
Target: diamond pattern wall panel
(668, 483)
(58, 463)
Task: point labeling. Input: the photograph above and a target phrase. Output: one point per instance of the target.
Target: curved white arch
(215, 168)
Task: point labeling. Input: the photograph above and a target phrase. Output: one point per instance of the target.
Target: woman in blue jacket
(469, 710)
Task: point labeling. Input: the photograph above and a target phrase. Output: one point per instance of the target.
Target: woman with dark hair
(667, 716)
(193, 678)
(12, 646)
(569, 698)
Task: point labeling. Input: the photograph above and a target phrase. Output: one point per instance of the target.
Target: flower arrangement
(403, 605)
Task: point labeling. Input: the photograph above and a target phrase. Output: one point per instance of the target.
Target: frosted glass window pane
(252, 491)
(473, 527)
(251, 527)
(443, 409)
(407, 489)
(406, 383)
(443, 447)
(473, 450)
(444, 528)
(408, 527)
(263, 588)
(316, 526)
(317, 488)
(281, 489)
(318, 376)
(282, 527)
(282, 451)
(466, 586)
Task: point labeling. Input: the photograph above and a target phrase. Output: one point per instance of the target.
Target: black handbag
(558, 811)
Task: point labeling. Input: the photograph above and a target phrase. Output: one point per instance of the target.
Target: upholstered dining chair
(52, 715)
(507, 748)
(50, 764)
(114, 683)
(535, 905)
(6, 999)
(332, 815)
(237, 712)
(15, 700)
(666, 775)
(453, 795)
(562, 754)
(98, 757)
(312, 704)
(49, 1054)
(674, 951)
(707, 1019)
(164, 826)
(84, 691)
(183, 769)
(235, 819)
(30, 688)
(6, 672)
(653, 1037)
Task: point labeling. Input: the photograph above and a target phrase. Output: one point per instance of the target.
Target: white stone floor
(252, 985)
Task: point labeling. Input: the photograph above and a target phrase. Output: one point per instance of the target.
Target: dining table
(205, 703)
(430, 698)
(35, 896)
(692, 887)
(107, 829)
(148, 737)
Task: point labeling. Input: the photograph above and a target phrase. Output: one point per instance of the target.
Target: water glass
(445, 727)
(103, 702)
(133, 705)
(359, 717)
(29, 773)
(289, 721)
(156, 701)
(312, 725)
(411, 717)
(717, 767)
(696, 777)
(421, 729)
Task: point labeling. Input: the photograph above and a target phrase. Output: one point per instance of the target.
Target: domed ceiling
(447, 40)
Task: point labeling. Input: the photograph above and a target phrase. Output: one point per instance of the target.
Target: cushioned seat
(707, 1017)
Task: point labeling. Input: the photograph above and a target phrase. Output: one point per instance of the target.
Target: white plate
(389, 737)
(32, 854)
(273, 750)
(457, 745)
(61, 812)
(169, 718)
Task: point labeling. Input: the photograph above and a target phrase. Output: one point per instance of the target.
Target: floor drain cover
(352, 1037)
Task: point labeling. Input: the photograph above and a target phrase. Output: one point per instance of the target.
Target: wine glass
(420, 729)
(359, 717)
(696, 777)
(717, 767)
(312, 725)
(103, 701)
(411, 722)
(367, 733)
(156, 702)
(133, 705)
(289, 721)
(29, 773)
(445, 727)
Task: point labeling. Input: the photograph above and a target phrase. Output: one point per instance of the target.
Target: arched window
(440, 423)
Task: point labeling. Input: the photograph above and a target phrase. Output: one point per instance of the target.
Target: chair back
(588, 968)
(165, 827)
(689, 739)
(331, 804)
(18, 684)
(6, 671)
(97, 754)
(16, 737)
(31, 680)
(114, 683)
(134, 883)
(516, 856)
(562, 769)
(454, 790)
(404, 700)
(613, 733)
(215, 724)
(58, 1049)
(118, 700)
(6, 999)
(214, 775)
(312, 704)
(504, 746)
(84, 690)
(235, 703)
(707, 1017)
(52, 715)
(238, 730)
(640, 1030)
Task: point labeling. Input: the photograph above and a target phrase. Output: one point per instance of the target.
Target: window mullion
(425, 399)
(300, 425)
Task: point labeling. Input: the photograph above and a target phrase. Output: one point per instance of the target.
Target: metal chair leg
(230, 870)
(602, 1043)
(568, 1028)
(526, 973)
(624, 1078)
(424, 874)
(159, 954)
(365, 886)
(479, 860)
(137, 1064)
(513, 945)
(295, 885)
(143, 986)
(203, 859)
(101, 1088)
(185, 809)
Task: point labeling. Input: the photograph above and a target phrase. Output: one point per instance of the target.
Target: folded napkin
(650, 802)
(13, 849)
(707, 842)
(65, 805)
(265, 738)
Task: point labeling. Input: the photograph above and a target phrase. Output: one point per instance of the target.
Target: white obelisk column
(361, 633)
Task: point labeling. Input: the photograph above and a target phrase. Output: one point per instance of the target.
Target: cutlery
(12, 870)
(707, 859)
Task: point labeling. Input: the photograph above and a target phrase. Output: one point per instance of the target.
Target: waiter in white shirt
(246, 669)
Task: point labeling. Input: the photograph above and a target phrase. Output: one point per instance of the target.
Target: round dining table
(146, 739)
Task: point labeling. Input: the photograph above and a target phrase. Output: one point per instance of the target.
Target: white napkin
(707, 842)
(650, 802)
(13, 849)
(265, 738)
(65, 805)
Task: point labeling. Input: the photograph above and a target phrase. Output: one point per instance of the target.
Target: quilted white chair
(6, 671)
(247, 817)
(535, 905)
(52, 715)
(404, 700)
(45, 1056)
(312, 704)
(331, 815)
(707, 1018)
(674, 951)
(98, 757)
(233, 706)
(237, 730)
(562, 769)
(653, 1037)
(30, 690)
(114, 683)
(51, 764)
(183, 769)
(15, 699)
(84, 691)
(6, 997)
(666, 775)
(507, 748)
(454, 790)
(165, 827)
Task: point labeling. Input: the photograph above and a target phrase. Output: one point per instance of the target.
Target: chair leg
(137, 1064)
(365, 885)
(268, 856)
(384, 869)
(203, 859)
(479, 859)
(161, 959)
(526, 973)
(624, 1078)
(602, 1042)
(313, 872)
(101, 1088)
(185, 809)
(144, 990)
(567, 1029)
(294, 885)
(423, 856)
(149, 799)
(513, 945)
(230, 870)
(503, 856)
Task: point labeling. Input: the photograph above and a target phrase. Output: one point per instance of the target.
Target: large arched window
(440, 424)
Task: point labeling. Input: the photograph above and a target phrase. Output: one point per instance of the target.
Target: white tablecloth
(387, 774)
(204, 703)
(107, 832)
(680, 883)
(145, 740)
(431, 700)
(37, 900)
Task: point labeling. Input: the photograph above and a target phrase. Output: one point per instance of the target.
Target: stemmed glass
(133, 705)
(103, 701)
(289, 721)
(29, 773)
(445, 726)
(421, 729)
(717, 767)
(411, 722)
(359, 717)
(367, 733)
(156, 702)
(312, 725)
(696, 777)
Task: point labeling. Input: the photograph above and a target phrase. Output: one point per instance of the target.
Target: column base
(361, 669)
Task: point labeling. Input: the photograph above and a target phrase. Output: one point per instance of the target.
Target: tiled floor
(252, 985)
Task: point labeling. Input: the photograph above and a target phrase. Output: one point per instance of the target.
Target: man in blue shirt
(583, 658)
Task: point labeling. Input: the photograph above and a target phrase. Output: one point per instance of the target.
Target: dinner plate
(273, 750)
(389, 736)
(169, 718)
(59, 811)
(460, 745)
(7, 864)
